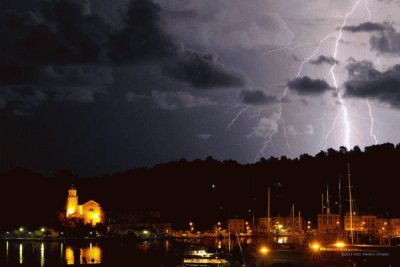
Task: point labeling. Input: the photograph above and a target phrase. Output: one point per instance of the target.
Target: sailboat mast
(268, 210)
(229, 238)
(299, 223)
(292, 217)
(328, 208)
(340, 198)
(351, 206)
(322, 204)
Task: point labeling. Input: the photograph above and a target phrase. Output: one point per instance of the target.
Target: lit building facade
(360, 223)
(90, 212)
(236, 226)
(280, 224)
(329, 223)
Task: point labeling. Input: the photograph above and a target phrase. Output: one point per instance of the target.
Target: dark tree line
(206, 191)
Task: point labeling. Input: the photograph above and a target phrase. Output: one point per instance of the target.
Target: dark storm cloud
(257, 97)
(324, 59)
(202, 70)
(308, 86)
(367, 82)
(143, 39)
(61, 44)
(386, 42)
(52, 51)
(368, 27)
(62, 32)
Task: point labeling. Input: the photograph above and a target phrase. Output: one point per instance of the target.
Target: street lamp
(263, 250)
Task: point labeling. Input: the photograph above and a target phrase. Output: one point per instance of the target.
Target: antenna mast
(351, 205)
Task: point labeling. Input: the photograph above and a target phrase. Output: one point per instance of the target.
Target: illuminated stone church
(89, 212)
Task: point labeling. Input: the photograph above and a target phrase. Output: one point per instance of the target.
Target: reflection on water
(144, 246)
(69, 256)
(159, 253)
(42, 255)
(21, 254)
(87, 255)
(91, 255)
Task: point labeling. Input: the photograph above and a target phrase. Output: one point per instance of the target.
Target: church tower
(72, 202)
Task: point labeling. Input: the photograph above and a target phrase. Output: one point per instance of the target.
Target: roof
(90, 201)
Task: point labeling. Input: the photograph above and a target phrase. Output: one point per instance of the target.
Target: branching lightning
(346, 119)
(269, 134)
(289, 46)
(237, 117)
(343, 112)
(330, 131)
(371, 132)
(367, 9)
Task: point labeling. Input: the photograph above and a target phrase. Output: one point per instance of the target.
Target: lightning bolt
(237, 117)
(330, 131)
(267, 139)
(371, 132)
(346, 120)
(367, 9)
(257, 113)
(268, 136)
(344, 110)
(289, 46)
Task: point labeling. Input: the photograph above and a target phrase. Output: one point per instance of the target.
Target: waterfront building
(280, 224)
(365, 224)
(89, 213)
(236, 226)
(328, 223)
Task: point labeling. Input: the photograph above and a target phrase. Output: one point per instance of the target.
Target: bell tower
(72, 202)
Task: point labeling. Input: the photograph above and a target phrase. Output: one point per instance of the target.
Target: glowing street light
(42, 230)
(315, 247)
(263, 250)
(340, 244)
(21, 229)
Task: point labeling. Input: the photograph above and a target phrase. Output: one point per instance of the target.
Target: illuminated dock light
(340, 244)
(264, 250)
(315, 246)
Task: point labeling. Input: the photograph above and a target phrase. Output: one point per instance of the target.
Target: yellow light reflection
(69, 255)
(42, 255)
(62, 252)
(21, 254)
(340, 244)
(91, 255)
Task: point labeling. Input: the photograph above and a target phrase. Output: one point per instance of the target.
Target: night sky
(103, 86)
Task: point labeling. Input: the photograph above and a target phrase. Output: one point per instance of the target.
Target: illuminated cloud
(266, 126)
(308, 130)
